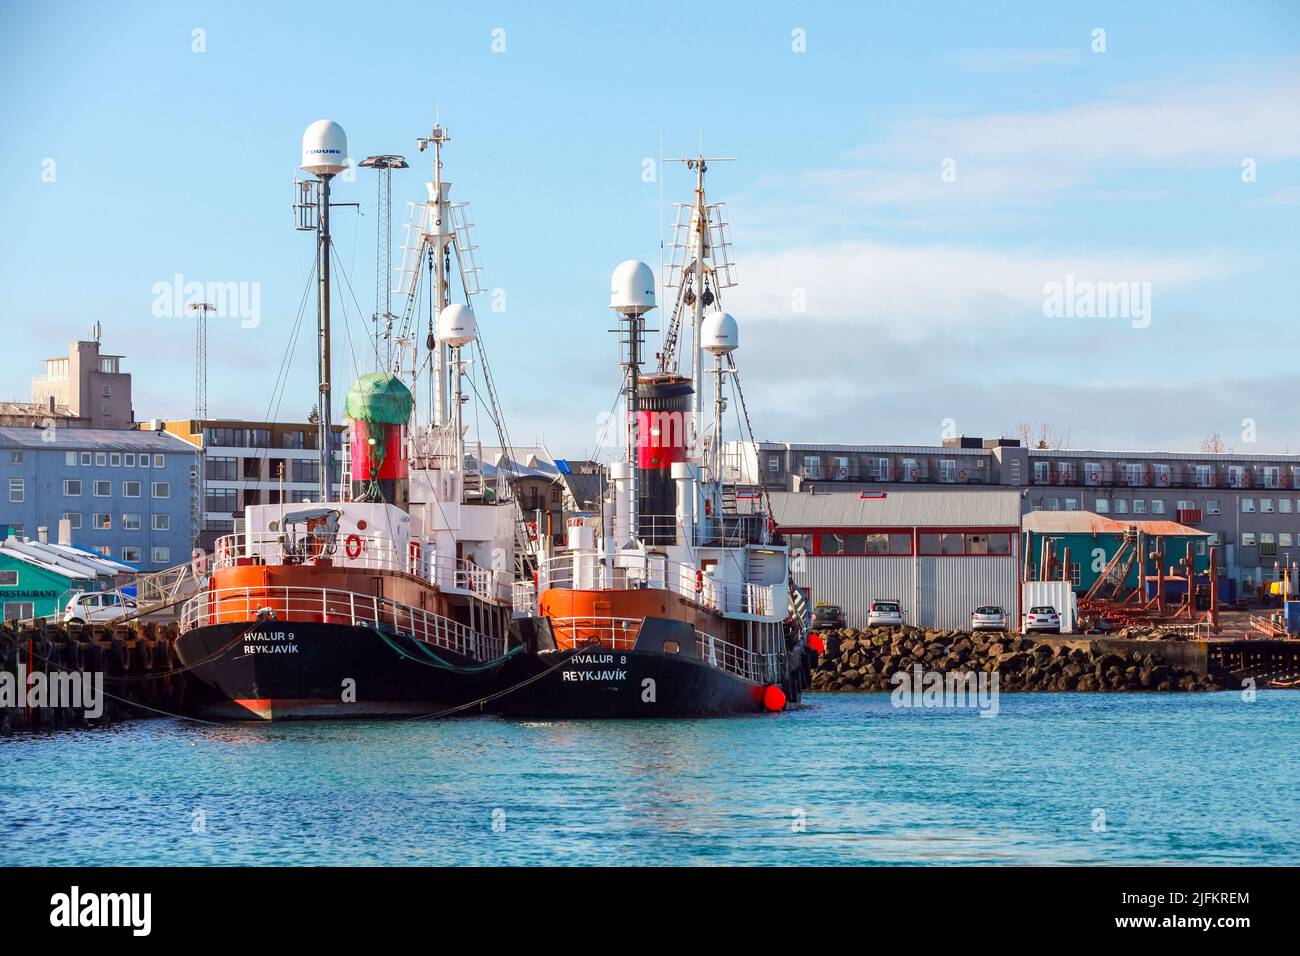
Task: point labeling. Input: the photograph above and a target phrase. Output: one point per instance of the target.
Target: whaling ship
(670, 602)
(393, 597)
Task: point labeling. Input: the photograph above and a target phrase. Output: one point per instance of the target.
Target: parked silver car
(990, 617)
(885, 614)
(1042, 618)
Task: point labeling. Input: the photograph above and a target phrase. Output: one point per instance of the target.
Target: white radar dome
(324, 148)
(456, 325)
(632, 288)
(719, 333)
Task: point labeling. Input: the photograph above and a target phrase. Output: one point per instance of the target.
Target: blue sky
(922, 298)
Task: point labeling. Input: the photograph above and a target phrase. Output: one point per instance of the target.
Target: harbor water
(846, 779)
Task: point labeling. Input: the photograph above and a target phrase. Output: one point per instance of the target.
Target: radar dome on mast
(632, 288)
(324, 148)
(456, 325)
(719, 333)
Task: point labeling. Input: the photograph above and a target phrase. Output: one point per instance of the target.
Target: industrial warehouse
(940, 555)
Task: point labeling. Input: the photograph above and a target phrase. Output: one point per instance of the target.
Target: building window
(102, 489)
(162, 489)
(73, 518)
(17, 489)
(1284, 539)
(884, 470)
(16, 457)
(144, 460)
(115, 459)
(1266, 506)
(221, 500)
(1248, 506)
(158, 461)
(129, 459)
(1248, 539)
(1071, 504)
(1092, 472)
(294, 439)
(1121, 506)
(774, 465)
(1042, 472)
(1284, 506)
(799, 542)
(1212, 538)
(131, 554)
(8, 579)
(1236, 476)
(860, 543)
(1052, 504)
(1272, 476)
(1133, 474)
(1267, 545)
(105, 549)
(911, 470)
(306, 471)
(72, 487)
(1157, 506)
(1211, 506)
(70, 459)
(162, 555)
(812, 466)
(223, 469)
(947, 470)
(1103, 506)
(1204, 476)
(101, 459)
(130, 522)
(131, 489)
(1139, 506)
(101, 521)
(162, 522)
(85, 458)
(1163, 475)
(19, 610)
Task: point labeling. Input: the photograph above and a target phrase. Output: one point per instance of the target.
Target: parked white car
(990, 617)
(97, 607)
(885, 614)
(1042, 618)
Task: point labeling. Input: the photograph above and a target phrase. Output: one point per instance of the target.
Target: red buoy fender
(774, 698)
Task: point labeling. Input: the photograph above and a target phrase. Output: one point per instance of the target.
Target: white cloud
(910, 292)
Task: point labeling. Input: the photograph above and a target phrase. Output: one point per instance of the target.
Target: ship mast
(439, 234)
(324, 154)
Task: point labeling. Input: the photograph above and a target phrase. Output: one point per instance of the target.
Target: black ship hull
(639, 682)
(277, 670)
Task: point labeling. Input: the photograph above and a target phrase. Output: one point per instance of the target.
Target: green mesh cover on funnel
(379, 398)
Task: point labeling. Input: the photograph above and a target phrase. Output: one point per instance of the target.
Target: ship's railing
(524, 598)
(620, 634)
(330, 606)
(583, 570)
(371, 552)
(709, 531)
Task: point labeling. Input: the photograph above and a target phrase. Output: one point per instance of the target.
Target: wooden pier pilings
(140, 672)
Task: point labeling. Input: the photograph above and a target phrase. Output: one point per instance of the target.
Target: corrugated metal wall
(949, 588)
(952, 588)
(853, 583)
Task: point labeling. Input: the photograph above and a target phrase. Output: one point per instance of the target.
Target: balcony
(1189, 516)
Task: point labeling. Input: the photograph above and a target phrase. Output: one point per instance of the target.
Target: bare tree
(1214, 444)
(1041, 435)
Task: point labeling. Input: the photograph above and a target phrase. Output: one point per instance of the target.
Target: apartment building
(1247, 503)
(84, 389)
(126, 494)
(253, 463)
